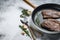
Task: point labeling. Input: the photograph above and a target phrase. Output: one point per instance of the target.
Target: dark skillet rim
(45, 6)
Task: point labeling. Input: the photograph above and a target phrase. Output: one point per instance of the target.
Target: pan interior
(38, 19)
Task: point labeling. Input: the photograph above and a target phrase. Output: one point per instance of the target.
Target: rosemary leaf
(37, 21)
(24, 11)
(21, 16)
(26, 31)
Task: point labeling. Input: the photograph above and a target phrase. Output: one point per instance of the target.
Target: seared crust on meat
(52, 24)
(50, 14)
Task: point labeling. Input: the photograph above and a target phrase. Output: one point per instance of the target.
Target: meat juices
(51, 24)
(50, 14)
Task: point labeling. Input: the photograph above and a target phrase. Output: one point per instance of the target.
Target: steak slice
(50, 14)
(51, 24)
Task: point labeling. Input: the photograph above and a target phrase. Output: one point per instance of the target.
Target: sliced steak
(50, 14)
(51, 24)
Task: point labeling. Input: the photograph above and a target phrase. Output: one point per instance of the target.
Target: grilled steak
(50, 14)
(51, 24)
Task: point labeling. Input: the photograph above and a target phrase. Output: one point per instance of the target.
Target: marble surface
(10, 20)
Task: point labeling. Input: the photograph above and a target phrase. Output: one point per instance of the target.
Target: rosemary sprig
(24, 11)
(37, 21)
(25, 30)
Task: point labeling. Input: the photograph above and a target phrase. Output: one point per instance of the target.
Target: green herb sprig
(25, 13)
(25, 30)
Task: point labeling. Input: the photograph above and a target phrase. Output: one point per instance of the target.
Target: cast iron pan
(45, 6)
(52, 6)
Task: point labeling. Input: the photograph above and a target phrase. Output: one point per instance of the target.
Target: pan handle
(29, 3)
